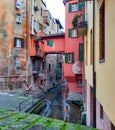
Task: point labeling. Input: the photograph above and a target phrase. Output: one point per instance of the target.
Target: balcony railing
(82, 28)
(79, 22)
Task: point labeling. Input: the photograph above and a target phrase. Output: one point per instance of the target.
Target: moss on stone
(25, 121)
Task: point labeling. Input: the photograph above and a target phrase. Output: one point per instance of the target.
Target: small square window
(18, 18)
(101, 112)
(79, 82)
(74, 33)
(50, 43)
(69, 57)
(74, 7)
(18, 42)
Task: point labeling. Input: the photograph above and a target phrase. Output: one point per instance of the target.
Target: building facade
(99, 64)
(74, 45)
(22, 23)
(12, 43)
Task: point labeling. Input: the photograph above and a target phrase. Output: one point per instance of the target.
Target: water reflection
(58, 107)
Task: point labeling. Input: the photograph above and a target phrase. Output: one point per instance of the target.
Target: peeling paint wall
(9, 29)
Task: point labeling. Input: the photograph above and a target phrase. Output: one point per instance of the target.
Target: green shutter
(83, 17)
(72, 57)
(79, 6)
(66, 57)
(70, 7)
(51, 42)
(69, 32)
(81, 52)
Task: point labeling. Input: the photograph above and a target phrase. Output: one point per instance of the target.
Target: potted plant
(75, 20)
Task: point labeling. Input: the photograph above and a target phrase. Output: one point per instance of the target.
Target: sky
(57, 10)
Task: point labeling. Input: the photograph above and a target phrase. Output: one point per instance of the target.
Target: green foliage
(75, 20)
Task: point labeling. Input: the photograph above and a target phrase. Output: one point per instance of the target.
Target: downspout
(26, 30)
(94, 72)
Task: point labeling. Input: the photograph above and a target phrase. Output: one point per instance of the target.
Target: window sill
(101, 60)
(78, 85)
(69, 62)
(102, 121)
(18, 22)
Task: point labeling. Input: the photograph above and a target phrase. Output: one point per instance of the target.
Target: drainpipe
(94, 72)
(26, 30)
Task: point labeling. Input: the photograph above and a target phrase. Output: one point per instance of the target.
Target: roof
(64, 1)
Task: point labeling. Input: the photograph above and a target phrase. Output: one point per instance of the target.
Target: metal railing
(27, 102)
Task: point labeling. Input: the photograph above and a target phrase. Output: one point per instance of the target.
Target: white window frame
(74, 7)
(69, 57)
(35, 25)
(74, 33)
(18, 43)
(18, 18)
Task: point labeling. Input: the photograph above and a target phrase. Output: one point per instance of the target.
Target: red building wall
(58, 43)
(72, 71)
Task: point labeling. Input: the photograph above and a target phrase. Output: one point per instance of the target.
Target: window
(18, 18)
(18, 70)
(81, 52)
(41, 82)
(79, 81)
(41, 12)
(35, 26)
(18, 4)
(102, 33)
(50, 43)
(72, 32)
(101, 113)
(18, 42)
(69, 57)
(35, 6)
(75, 6)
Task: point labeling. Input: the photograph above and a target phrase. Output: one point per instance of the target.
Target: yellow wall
(88, 66)
(105, 72)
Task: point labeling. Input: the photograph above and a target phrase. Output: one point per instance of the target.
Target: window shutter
(70, 7)
(69, 32)
(82, 3)
(83, 17)
(66, 57)
(79, 6)
(81, 52)
(72, 57)
(51, 42)
(14, 41)
(47, 43)
(22, 43)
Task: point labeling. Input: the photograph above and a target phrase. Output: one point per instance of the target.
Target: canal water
(57, 106)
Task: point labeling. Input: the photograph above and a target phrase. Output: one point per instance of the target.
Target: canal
(57, 106)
